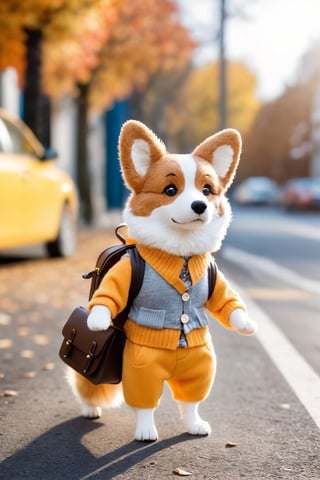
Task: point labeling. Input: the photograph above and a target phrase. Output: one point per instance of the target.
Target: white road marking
(299, 229)
(280, 224)
(301, 377)
(250, 261)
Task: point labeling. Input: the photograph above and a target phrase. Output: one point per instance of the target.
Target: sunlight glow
(270, 36)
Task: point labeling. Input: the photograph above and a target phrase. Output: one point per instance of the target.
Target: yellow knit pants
(189, 373)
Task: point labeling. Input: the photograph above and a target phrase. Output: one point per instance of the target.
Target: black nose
(198, 206)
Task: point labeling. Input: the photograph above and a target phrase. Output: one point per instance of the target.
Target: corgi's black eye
(170, 190)
(207, 190)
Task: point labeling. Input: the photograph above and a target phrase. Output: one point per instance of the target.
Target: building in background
(309, 72)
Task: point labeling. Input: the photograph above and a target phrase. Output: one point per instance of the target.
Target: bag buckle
(89, 356)
(88, 275)
(68, 343)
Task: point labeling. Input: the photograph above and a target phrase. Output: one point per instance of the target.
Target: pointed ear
(139, 147)
(222, 150)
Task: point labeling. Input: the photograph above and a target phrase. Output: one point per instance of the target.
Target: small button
(184, 318)
(185, 296)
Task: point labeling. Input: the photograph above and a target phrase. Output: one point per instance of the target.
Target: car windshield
(307, 183)
(259, 182)
(5, 140)
(316, 184)
(12, 140)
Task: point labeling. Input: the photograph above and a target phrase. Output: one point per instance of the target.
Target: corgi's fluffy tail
(93, 397)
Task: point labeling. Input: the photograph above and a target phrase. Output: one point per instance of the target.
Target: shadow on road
(59, 454)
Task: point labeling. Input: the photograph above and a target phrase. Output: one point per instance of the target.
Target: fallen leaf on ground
(9, 393)
(5, 319)
(29, 374)
(23, 331)
(26, 354)
(231, 445)
(48, 366)
(5, 343)
(181, 472)
(41, 339)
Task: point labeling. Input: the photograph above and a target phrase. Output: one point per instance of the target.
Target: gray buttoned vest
(159, 305)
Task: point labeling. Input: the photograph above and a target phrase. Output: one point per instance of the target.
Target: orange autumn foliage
(144, 37)
(15, 16)
(111, 45)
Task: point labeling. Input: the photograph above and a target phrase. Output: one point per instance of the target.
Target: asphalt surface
(260, 430)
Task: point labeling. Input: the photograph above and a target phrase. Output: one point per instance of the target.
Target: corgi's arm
(111, 297)
(228, 308)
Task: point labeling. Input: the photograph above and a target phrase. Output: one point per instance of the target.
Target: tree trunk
(82, 167)
(36, 105)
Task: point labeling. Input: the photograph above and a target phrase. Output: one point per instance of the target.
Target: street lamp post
(222, 68)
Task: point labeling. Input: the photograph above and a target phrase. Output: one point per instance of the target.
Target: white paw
(199, 427)
(145, 428)
(99, 318)
(146, 433)
(91, 412)
(242, 323)
(192, 420)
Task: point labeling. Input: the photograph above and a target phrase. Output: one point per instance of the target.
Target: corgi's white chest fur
(187, 222)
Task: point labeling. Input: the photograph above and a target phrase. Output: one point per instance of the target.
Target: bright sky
(271, 37)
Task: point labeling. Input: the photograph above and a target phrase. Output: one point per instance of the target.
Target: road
(265, 395)
(278, 260)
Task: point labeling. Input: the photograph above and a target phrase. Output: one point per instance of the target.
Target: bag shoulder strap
(106, 260)
(138, 267)
(212, 277)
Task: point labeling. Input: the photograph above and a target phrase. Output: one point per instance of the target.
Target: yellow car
(38, 201)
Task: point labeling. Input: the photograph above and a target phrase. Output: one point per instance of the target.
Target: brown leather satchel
(98, 355)
(95, 355)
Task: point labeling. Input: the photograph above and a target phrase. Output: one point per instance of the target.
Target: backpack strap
(212, 276)
(138, 266)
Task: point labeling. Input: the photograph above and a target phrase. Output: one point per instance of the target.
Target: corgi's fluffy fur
(196, 218)
(177, 205)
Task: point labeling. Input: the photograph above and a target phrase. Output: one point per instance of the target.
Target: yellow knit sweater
(114, 288)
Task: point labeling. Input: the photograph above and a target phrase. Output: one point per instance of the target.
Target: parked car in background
(38, 200)
(301, 193)
(256, 191)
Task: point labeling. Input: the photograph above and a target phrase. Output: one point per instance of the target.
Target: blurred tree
(223, 11)
(194, 114)
(150, 105)
(279, 127)
(36, 105)
(79, 26)
(20, 46)
(145, 38)
(97, 50)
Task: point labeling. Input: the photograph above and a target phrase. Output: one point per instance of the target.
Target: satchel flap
(80, 336)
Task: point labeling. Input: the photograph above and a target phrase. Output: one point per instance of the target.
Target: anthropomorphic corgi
(177, 215)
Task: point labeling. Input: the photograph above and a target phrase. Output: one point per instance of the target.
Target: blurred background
(75, 70)
(71, 72)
